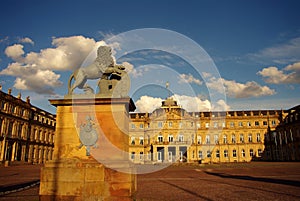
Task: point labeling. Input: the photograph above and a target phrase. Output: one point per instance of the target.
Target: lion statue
(103, 64)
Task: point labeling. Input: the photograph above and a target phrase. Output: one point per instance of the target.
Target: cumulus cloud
(288, 75)
(246, 90)
(184, 78)
(32, 78)
(192, 104)
(148, 104)
(36, 70)
(295, 67)
(15, 51)
(189, 103)
(239, 90)
(26, 40)
(220, 105)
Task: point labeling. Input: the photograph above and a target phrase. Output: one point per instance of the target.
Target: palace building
(26, 132)
(171, 134)
(168, 134)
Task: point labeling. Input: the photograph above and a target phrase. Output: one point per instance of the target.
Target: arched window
(243, 153)
(225, 139)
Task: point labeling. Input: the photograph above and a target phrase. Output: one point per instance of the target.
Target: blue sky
(255, 46)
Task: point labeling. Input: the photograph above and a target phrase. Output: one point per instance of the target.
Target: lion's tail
(69, 83)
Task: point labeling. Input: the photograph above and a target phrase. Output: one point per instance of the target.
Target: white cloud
(33, 79)
(275, 76)
(15, 51)
(35, 70)
(295, 67)
(68, 54)
(148, 104)
(246, 90)
(220, 105)
(184, 78)
(192, 104)
(239, 90)
(189, 103)
(26, 40)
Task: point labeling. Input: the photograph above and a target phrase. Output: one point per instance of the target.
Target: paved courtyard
(247, 181)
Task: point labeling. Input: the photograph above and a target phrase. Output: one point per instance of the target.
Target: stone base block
(84, 180)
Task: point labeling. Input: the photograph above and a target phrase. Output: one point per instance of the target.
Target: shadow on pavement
(259, 179)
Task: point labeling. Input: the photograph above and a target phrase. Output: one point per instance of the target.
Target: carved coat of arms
(88, 135)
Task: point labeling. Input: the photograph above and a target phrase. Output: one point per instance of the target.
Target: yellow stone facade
(26, 132)
(171, 134)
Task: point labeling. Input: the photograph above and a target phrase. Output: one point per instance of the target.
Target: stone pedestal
(98, 172)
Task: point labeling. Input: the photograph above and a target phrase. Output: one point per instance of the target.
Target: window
(259, 151)
(218, 153)
(225, 153)
(170, 156)
(170, 124)
(273, 122)
(141, 140)
(225, 139)
(159, 124)
(240, 124)
(141, 155)
(132, 141)
(207, 139)
(249, 137)
(208, 154)
(265, 123)
(206, 125)
(192, 124)
(256, 123)
(215, 124)
(223, 125)
(160, 138)
(233, 140)
(231, 124)
(216, 139)
(248, 123)
(199, 140)
(141, 126)
(243, 153)
(180, 138)
(234, 153)
(241, 138)
(258, 139)
(251, 153)
(198, 125)
(200, 154)
(159, 156)
(132, 155)
(170, 137)
(180, 124)
(133, 126)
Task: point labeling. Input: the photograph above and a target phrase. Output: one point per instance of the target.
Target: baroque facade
(26, 132)
(171, 134)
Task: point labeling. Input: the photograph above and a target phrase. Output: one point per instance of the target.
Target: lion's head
(104, 56)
